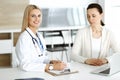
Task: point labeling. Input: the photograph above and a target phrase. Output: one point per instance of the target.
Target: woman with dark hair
(92, 44)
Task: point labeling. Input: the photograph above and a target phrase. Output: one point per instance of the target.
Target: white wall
(112, 16)
(61, 3)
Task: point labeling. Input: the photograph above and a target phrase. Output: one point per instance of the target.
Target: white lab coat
(27, 53)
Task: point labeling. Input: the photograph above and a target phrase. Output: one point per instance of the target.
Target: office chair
(73, 34)
(56, 42)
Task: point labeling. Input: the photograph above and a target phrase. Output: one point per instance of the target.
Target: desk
(84, 74)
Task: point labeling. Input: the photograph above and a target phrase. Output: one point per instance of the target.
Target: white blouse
(96, 46)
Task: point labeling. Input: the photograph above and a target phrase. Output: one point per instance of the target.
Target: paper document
(63, 72)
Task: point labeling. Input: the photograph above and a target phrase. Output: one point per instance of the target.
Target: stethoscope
(39, 43)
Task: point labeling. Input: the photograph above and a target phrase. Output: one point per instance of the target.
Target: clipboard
(59, 73)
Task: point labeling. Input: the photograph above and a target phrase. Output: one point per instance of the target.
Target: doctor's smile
(35, 18)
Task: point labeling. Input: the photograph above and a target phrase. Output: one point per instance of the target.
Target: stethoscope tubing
(35, 40)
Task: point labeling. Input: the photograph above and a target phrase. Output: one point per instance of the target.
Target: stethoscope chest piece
(40, 55)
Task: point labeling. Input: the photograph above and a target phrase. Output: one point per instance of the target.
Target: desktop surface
(84, 74)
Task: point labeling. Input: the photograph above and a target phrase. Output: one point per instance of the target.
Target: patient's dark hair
(98, 7)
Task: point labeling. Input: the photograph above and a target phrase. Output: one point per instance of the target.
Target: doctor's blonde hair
(27, 11)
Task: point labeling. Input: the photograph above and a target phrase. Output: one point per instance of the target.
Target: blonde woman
(30, 47)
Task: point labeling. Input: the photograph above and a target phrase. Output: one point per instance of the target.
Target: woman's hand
(59, 66)
(96, 62)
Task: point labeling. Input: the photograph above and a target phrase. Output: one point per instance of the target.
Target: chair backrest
(53, 33)
(73, 33)
(54, 38)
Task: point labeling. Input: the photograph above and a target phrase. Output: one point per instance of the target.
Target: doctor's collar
(30, 31)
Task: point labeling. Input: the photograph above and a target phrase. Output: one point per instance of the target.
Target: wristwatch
(51, 67)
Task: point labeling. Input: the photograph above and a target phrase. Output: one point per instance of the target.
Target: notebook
(30, 79)
(111, 68)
